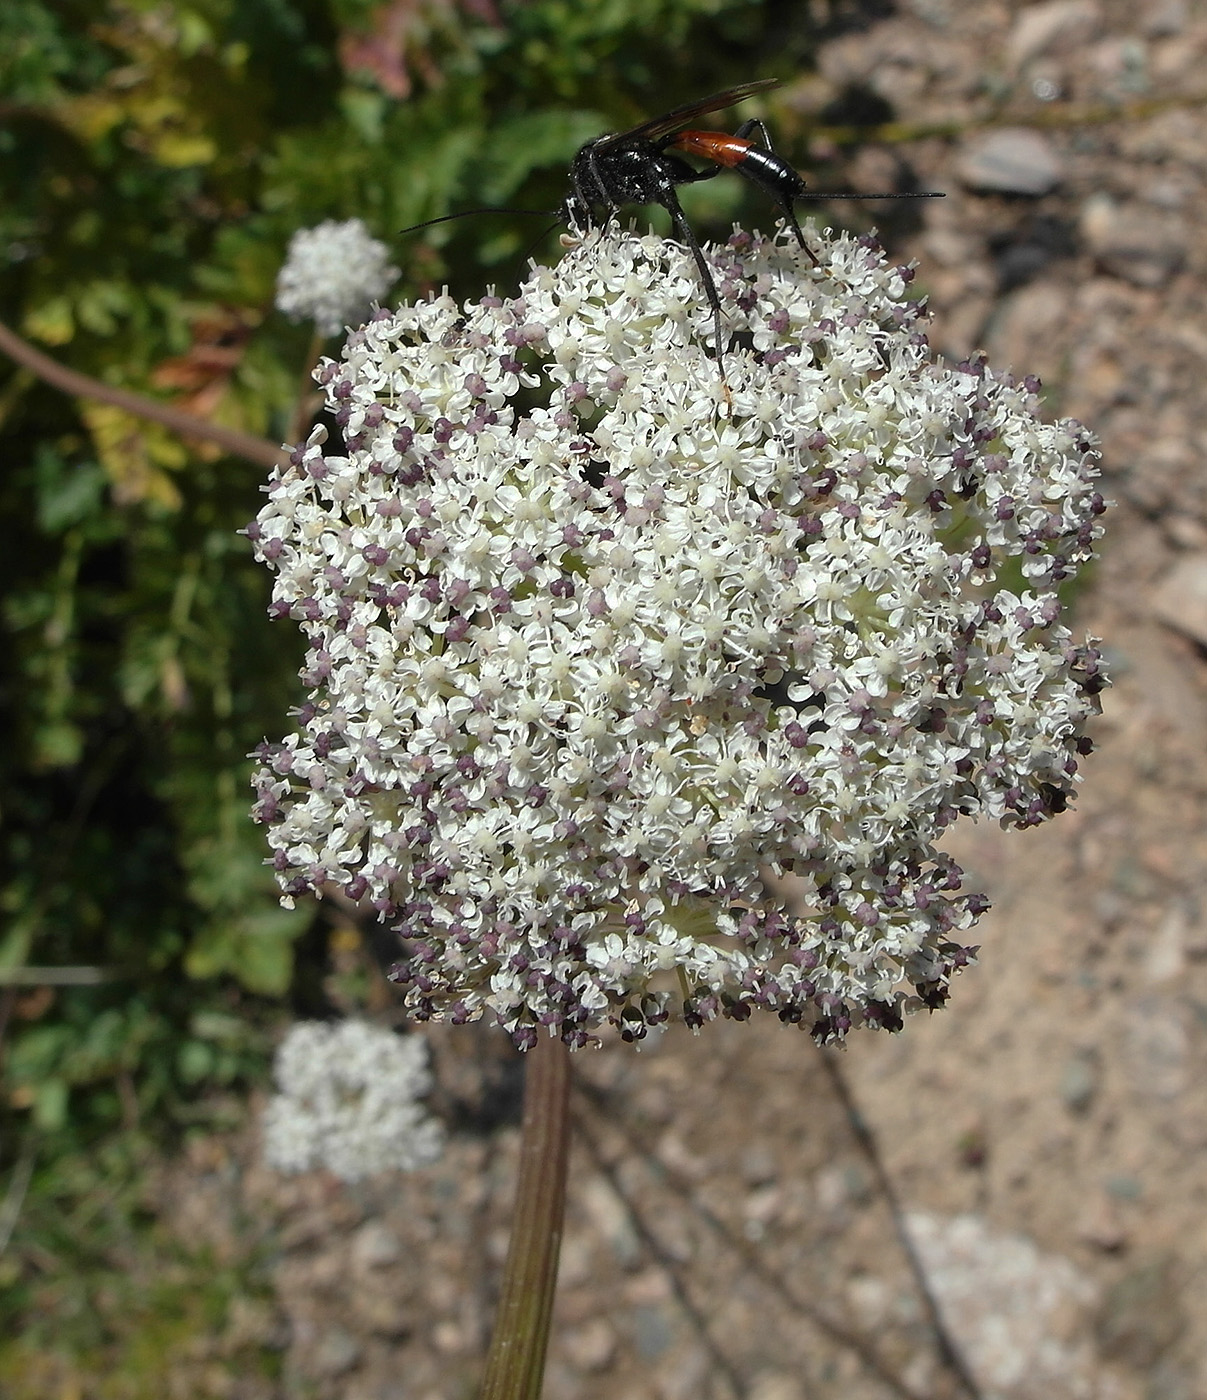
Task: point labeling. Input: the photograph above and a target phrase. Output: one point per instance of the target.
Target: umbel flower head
(332, 273)
(348, 1102)
(637, 693)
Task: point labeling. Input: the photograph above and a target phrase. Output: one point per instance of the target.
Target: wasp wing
(672, 121)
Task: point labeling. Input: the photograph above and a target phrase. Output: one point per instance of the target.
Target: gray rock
(1100, 1224)
(653, 1331)
(1079, 1081)
(1165, 17)
(777, 1385)
(1142, 245)
(1141, 1316)
(611, 1220)
(336, 1352)
(373, 1246)
(1171, 1381)
(1124, 1188)
(1047, 28)
(758, 1165)
(1019, 1314)
(1181, 597)
(590, 1347)
(1156, 1048)
(1013, 160)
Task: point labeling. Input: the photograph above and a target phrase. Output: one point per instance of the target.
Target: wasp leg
(670, 202)
(588, 200)
(755, 127)
(776, 177)
(692, 176)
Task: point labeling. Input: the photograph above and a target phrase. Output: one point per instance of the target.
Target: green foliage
(157, 157)
(121, 1308)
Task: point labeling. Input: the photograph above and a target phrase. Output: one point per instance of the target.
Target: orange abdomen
(713, 145)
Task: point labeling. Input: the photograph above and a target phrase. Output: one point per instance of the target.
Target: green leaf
(531, 142)
(194, 1061)
(365, 110)
(50, 1105)
(69, 492)
(52, 321)
(256, 948)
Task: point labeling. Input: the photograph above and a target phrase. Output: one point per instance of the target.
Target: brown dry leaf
(204, 371)
(137, 456)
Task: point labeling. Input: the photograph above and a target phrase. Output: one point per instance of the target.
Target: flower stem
(515, 1366)
(308, 400)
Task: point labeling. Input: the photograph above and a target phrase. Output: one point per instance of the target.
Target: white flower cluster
(604, 644)
(332, 273)
(348, 1102)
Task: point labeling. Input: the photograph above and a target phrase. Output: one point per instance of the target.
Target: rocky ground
(1045, 1135)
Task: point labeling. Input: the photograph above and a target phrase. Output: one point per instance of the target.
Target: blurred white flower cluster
(331, 275)
(348, 1102)
(603, 645)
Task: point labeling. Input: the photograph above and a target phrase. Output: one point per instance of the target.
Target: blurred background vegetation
(156, 157)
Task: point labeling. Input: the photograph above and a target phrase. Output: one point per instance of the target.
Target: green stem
(515, 1366)
(303, 411)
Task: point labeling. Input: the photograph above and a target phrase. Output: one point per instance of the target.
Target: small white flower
(602, 644)
(348, 1102)
(331, 275)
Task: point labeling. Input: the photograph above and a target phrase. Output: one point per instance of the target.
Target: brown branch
(57, 976)
(1056, 117)
(781, 1285)
(675, 1275)
(14, 1197)
(83, 386)
(949, 1352)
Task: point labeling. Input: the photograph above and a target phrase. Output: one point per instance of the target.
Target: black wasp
(645, 165)
(641, 166)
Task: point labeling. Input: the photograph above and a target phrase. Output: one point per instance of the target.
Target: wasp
(645, 165)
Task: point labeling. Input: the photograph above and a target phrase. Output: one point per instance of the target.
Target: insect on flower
(590, 665)
(645, 165)
(642, 166)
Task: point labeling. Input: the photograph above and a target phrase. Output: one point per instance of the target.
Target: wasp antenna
(466, 213)
(538, 240)
(847, 194)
